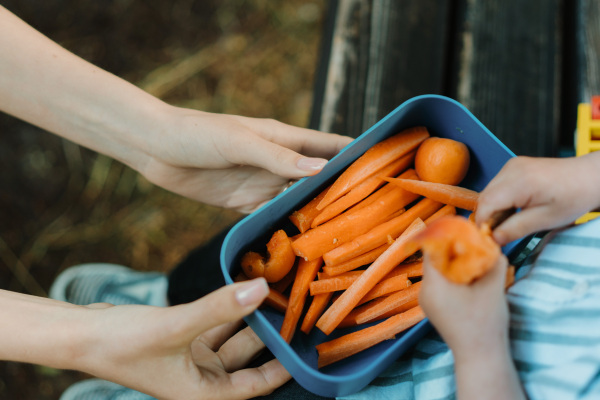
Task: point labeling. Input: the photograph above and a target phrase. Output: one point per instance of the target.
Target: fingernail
(252, 292)
(311, 164)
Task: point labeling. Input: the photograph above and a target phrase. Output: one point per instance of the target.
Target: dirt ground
(61, 205)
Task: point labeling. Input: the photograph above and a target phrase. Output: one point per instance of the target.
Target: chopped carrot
(510, 276)
(282, 285)
(402, 248)
(307, 271)
(496, 219)
(448, 194)
(363, 190)
(386, 286)
(345, 227)
(442, 212)
(378, 235)
(280, 261)
(333, 284)
(442, 160)
(352, 343)
(412, 270)
(317, 306)
(358, 261)
(303, 218)
(391, 302)
(350, 320)
(373, 160)
(458, 249)
(276, 300)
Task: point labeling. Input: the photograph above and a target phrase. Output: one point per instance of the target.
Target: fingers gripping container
(443, 117)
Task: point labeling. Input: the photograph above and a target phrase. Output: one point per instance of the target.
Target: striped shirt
(554, 329)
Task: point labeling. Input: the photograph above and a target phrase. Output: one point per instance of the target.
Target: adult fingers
(238, 351)
(215, 337)
(227, 304)
(258, 152)
(254, 382)
(283, 149)
(308, 141)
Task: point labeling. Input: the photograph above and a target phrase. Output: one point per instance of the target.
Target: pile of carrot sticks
(354, 255)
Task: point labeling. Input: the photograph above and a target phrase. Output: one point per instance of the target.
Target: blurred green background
(61, 205)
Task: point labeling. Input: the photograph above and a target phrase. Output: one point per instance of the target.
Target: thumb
(227, 304)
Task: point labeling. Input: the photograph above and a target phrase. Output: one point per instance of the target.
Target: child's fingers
(524, 223)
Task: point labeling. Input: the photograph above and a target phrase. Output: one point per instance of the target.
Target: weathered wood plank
(383, 52)
(508, 70)
(588, 49)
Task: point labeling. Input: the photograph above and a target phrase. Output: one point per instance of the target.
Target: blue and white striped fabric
(554, 329)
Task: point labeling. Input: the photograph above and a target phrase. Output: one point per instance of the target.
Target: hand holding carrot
(473, 321)
(549, 192)
(472, 317)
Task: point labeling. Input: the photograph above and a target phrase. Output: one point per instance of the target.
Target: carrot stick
(317, 306)
(442, 212)
(333, 284)
(363, 190)
(352, 343)
(448, 194)
(392, 301)
(379, 234)
(358, 261)
(402, 248)
(386, 286)
(276, 300)
(282, 285)
(343, 282)
(304, 216)
(383, 191)
(350, 320)
(373, 160)
(345, 227)
(307, 271)
(412, 270)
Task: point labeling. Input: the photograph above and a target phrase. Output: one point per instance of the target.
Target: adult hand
(224, 160)
(189, 351)
(233, 161)
(550, 192)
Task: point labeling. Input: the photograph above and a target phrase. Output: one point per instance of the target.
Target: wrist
(42, 331)
(481, 348)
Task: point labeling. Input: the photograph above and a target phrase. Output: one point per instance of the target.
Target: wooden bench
(520, 67)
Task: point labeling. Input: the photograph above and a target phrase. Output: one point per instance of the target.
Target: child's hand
(471, 319)
(549, 192)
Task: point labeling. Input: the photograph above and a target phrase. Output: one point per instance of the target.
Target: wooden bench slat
(509, 68)
(383, 52)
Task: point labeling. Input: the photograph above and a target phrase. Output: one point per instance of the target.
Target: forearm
(487, 374)
(44, 84)
(42, 331)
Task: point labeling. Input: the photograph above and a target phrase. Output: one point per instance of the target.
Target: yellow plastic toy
(587, 137)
